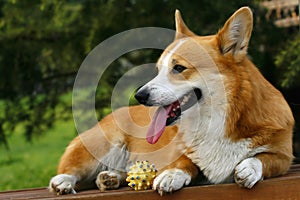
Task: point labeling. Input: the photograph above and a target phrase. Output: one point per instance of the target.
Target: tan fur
(255, 110)
(85, 151)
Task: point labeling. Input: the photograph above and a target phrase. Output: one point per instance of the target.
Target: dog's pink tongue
(158, 124)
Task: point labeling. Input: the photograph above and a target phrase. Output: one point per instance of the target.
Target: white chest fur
(215, 155)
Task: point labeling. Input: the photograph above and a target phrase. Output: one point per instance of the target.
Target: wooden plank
(284, 187)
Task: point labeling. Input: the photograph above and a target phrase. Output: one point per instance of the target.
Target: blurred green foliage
(44, 42)
(31, 164)
(288, 60)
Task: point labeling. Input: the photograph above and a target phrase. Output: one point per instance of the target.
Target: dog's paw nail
(161, 192)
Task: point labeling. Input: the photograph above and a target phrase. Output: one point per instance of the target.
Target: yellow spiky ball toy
(141, 175)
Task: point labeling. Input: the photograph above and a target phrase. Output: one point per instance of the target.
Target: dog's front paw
(107, 180)
(171, 180)
(62, 184)
(248, 172)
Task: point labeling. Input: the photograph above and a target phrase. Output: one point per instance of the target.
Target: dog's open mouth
(167, 115)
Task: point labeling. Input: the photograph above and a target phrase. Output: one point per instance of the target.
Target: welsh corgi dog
(208, 111)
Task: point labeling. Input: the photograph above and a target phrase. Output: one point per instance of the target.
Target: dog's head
(191, 70)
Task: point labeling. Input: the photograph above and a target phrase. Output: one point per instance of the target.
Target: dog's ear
(234, 37)
(181, 29)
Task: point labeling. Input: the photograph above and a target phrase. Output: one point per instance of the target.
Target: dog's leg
(81, 176)
(76, 165)
(86, 156)
(115, 174)
(264, 165)
(177, 175)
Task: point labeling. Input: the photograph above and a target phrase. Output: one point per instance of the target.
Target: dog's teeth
(177, 107)
(185, 99)
(174, 109)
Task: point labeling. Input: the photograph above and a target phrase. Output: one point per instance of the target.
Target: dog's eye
(178, 69)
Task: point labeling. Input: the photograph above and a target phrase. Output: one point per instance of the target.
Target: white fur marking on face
(161, 89)
(62, 184)
(171, 180)
(166, 59)
(248, 172)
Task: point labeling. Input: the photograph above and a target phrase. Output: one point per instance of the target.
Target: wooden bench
(283, 187)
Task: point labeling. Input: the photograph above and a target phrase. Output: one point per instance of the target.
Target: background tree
(288, 65)
(288, 61)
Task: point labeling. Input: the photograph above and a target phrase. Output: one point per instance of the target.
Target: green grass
(28, 165)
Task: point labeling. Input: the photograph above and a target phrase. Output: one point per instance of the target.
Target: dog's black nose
(142, 96)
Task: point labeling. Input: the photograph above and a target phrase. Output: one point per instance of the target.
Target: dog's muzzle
(180, 105)
(166, 114)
